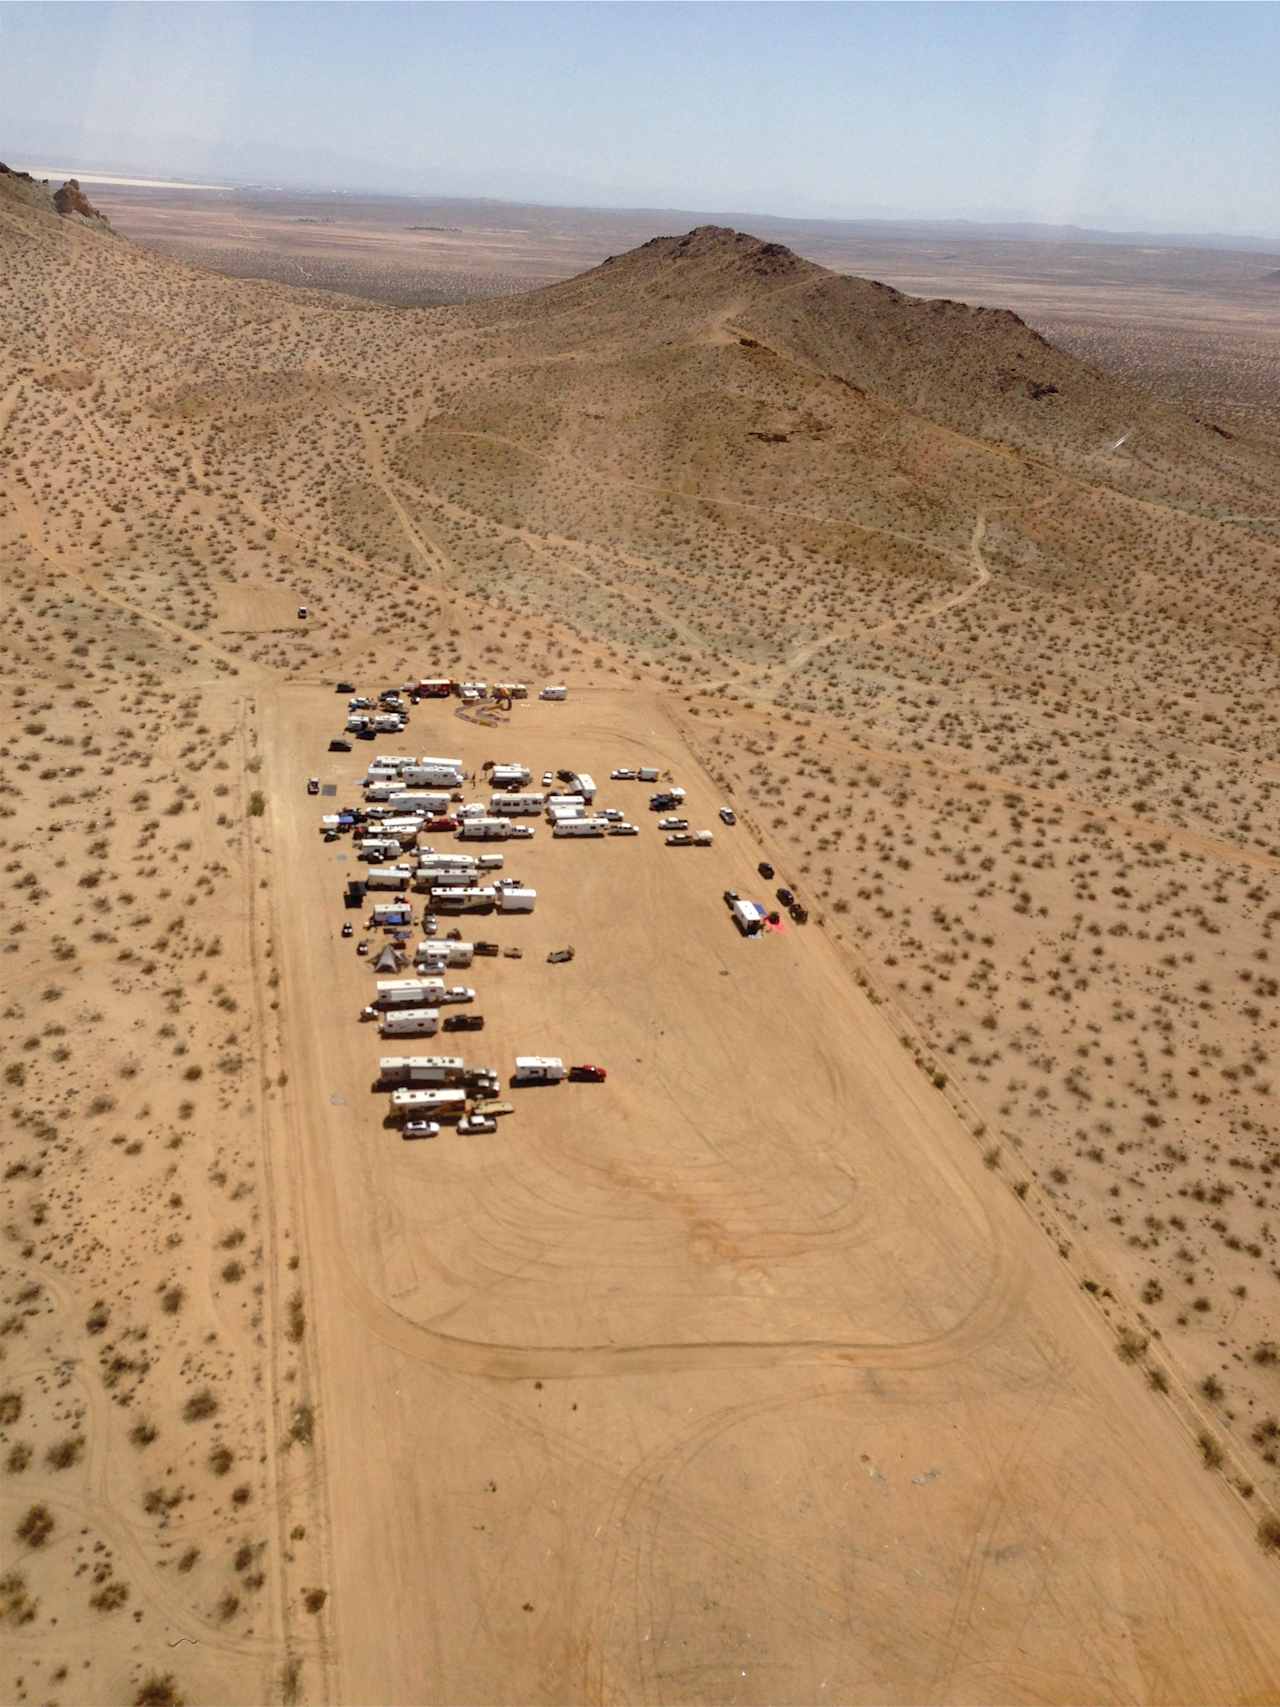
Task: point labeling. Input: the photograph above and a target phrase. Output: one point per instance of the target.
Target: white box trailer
(428, 760)
(410, 1022)
(516, 900)
(388, 722)
(749, 916)
(414, 1103)
(490, 861)
(484, 829)
(388, 877)
(539, 1070)
(647, 773)
(509, 776)
(559, 691)
(468, 899)
(407, 992)
(516, 805)
(581, 827)
(584, 784)
(432, 802)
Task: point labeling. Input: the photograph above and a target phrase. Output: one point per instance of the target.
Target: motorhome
(557, 692)
(509, 776)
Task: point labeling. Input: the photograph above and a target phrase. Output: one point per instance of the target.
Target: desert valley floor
(898, 1321)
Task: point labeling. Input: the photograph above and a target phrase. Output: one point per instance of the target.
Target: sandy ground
(737, 1378)
(898, 1320)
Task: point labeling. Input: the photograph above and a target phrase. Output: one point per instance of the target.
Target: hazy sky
(1165, 116)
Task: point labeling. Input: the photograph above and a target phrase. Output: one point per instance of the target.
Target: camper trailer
(411, 1104)
(484, 829)
(538, 1070)
(557, 692)
(410, 1022)
(516, 805)
(465, 900)
(388, 877)
(509, 776)
(580, 826)
(407, 992)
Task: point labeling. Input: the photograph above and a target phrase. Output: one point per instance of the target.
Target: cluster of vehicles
(404, 796)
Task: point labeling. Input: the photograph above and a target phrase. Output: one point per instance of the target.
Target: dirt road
(737, 1378)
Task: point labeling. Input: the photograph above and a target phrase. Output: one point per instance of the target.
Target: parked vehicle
(538, 1070)
(346, 928)
(339, 745)
(785, 896)
(611, 813)
(362, 948)
(673, 823)
(313, 785)
(622, 776)
(623, 830)
(727, 815)
(472, 1123)
(559, 955)
(359, 703)
(681, 839)
(464, 1022)
(588, 1075)
(446, 821)
(345, 687)
(765, 869)
(487, 948)
(730, 896)
(798, 913)
(430, 924)
(547, 779)
(421, 1129)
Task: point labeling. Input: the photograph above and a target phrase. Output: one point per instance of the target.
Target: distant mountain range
(257, 164)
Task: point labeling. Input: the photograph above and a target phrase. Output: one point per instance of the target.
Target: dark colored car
(464, 1022)
(338, 745)
(345, 687)
(785, 896)
(764, 868)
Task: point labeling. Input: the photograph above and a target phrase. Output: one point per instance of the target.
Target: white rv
(410, 1022)
(388, 877)
(539, 1070)
(509, 776)
(516, 805)
(557, 692)
(581, 827)
(413, 1103)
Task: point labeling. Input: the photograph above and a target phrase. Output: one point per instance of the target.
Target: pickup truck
(681, 839)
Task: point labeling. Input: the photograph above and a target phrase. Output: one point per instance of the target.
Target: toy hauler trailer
(407, 992)
(434, 687)
(516, 900)
(379, 849)
(556, 692)
(410, 1022)
(484, 829)
(388, 877)
(581, 827)
(411, 1103)
(516, 805)
(466, 900)
(509, 776)
(539, 1070)
(583, 783)
(405, 830)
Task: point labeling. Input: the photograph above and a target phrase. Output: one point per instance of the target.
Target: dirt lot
(690, 1386)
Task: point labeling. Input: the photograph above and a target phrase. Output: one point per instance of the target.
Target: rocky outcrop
(72, 203)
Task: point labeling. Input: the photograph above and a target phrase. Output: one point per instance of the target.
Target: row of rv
(448, 893)
(440, 687)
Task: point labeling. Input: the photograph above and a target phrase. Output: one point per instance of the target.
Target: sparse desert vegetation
(998, 695)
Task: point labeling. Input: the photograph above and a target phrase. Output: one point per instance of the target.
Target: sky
(1128, 117)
